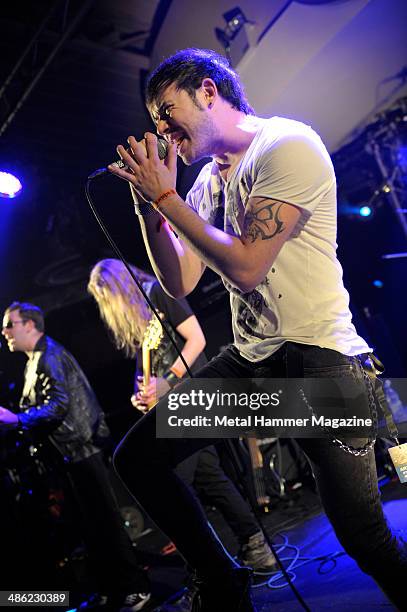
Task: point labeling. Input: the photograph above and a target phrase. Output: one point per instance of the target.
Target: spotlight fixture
(10, 186)
(235, 20)
(233, 37)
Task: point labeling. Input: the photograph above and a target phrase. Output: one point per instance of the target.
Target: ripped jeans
(347, 484)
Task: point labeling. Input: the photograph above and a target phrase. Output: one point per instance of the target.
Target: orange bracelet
(177, 372)
(163, 196)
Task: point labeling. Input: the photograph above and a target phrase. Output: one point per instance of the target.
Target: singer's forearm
(176, 267)
(223, 253)
(242, 260)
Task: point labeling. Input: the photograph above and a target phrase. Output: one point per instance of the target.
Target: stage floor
(303, 537)
(325, 576)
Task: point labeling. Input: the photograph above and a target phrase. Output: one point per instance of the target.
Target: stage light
(354, 211)
(235, 20)
(365, 211)
(234, 37)
(378, 284)
(10, 186)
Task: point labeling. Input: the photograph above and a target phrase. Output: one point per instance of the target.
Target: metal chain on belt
(348, 448)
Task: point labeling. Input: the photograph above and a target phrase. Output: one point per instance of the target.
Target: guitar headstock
(153, 335)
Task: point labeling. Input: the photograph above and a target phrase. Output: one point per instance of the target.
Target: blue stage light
(10, 186)
(365, 211)
(378, 283)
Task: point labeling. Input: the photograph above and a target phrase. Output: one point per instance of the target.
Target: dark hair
(186, 70)
(29, 312)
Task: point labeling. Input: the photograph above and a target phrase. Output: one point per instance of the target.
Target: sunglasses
(10, 324)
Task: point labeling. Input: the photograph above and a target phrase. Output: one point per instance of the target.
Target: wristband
(172, 378)
(163, 197)
(177, 373)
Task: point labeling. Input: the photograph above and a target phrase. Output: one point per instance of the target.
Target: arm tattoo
(264, 222)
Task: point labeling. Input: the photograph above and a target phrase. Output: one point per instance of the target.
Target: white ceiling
(320, 63)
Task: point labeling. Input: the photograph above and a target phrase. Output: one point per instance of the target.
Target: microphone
(162, 148)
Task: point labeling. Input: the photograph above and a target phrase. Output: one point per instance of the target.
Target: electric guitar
(151, 341)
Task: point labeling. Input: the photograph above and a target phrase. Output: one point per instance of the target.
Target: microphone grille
(162, 147)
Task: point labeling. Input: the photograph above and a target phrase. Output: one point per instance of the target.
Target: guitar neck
(146, 357)
(151, 341)
(255, 455)
(256, 461)
(146, 365)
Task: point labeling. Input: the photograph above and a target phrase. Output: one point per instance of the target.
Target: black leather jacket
(58, 400)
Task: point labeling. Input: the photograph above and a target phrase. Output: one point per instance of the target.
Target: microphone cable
(120, 255)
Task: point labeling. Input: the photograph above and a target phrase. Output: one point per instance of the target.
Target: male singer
(262, 214)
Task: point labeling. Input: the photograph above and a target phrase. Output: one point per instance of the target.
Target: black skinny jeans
(204, 473)
(347, 484)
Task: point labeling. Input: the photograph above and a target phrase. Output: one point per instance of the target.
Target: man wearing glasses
(58, 401)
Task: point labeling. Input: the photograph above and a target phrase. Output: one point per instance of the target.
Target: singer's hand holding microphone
(150, 167)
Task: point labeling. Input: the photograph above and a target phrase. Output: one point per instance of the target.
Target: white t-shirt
(302, 298)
